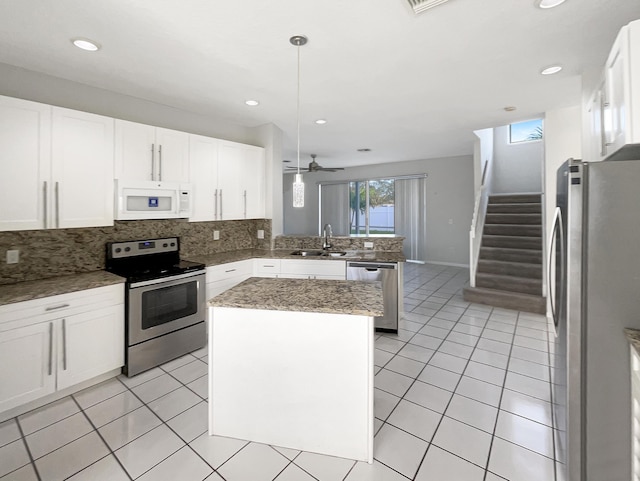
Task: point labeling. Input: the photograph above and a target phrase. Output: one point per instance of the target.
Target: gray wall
(449, 198)
(516, 167)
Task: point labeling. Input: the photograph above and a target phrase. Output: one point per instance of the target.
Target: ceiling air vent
(422, 5)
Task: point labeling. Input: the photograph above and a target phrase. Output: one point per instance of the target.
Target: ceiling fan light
(544, 4)
(298, 191)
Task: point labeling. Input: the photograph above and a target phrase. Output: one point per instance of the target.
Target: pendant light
(298, 184)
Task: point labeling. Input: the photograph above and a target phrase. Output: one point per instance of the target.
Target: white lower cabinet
(224, 276)
(50, 344)
(301, 269)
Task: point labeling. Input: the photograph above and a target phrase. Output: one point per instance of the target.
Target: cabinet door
(254, 182)
(230, 182)
(27, 364)
(203, 166)
(135, 151)
(173, 155)
(90, 344)
(25, 159)
(82, 169)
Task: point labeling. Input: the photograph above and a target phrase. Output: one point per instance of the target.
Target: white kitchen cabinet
(301, 269)
(53, 343)
(224, 276)
(228, 180)
(81, 170)
(268, 267)
(145, 152)
(614, 115)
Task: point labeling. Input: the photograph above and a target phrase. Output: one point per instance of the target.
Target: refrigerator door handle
(557, 227)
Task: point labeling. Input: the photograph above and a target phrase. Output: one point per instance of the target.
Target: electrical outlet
(450, 221)
(216, 235)
(368, 245)
(260, 234)
(13, 256)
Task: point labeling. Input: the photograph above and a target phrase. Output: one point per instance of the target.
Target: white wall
(449, 196)
(483, 154)
(517, 168)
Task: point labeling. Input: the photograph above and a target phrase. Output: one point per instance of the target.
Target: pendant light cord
(298, 109)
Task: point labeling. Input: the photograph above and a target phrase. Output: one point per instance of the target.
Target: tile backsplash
(387, 243)
(56, 252)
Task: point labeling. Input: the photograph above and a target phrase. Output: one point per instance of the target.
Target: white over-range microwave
(147, 199)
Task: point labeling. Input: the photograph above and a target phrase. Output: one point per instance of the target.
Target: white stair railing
(477, 225)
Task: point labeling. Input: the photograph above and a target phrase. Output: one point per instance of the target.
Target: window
(371, 206)
(525, 131)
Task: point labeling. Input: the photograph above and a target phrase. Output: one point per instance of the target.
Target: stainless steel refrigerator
(594, 280)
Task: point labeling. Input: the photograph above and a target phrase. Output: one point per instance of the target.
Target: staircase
(509, 272)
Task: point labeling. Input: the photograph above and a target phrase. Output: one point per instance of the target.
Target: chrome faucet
(326, 235)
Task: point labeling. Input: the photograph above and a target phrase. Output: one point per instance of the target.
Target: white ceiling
(405, 86)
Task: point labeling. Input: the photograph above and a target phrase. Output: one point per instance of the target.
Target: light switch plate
(260, 234)
(368, 245)
(216, 235)
(13, 256)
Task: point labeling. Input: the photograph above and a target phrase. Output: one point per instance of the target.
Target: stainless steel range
(165, 301)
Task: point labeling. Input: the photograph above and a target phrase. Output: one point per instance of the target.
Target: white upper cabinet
(144, 152)
(230, 182)
(203, 158)
(254, 182)
(25, 163)
(82, 169)
(613, 110)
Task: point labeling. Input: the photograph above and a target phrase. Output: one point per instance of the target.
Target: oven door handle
(163, 280)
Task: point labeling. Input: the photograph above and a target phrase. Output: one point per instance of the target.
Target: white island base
(299, 380)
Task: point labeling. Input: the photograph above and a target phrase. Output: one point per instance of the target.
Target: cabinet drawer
(314, 268)
(231, 269)
(267, 267)
(22, 314)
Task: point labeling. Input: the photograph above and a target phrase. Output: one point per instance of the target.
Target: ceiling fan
(315, 167)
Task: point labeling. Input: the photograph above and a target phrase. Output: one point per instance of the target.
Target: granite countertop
(633, 336)
(305, 295)
(240, 255)
(53, 286)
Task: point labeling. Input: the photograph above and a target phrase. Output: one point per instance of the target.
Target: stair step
(513, 230)
(528, 256)
(514, 198)
(507, 300)
(517, 208)
(529, 219)
(509, 268)
(513, 242)
(509, 283)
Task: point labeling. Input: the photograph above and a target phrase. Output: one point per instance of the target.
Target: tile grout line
(26, 445)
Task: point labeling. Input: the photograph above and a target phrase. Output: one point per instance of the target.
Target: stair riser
(532, 257)
(515, 199)
(529, 219)
(530, 272)
(514, 208)
(512, 242)
(513, 230)
(535, 305)
(515, 284)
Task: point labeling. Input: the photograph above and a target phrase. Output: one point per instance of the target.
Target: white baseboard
(452, 264)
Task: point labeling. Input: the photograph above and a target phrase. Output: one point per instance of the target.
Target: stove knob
(165, 245)
(127, 249)
(173, 244)
(118, 249)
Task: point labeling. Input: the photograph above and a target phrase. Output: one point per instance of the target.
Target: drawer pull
(231, 270)
(50, 369)
(54, 308)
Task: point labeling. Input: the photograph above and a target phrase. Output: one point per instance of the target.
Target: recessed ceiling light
(252, 103)
(321, 121)
(551, 70)
(509, 108)
(86, 44)
(364, 150)
(548, 3)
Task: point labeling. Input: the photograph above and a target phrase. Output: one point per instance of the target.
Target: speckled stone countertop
(633, 335)
(53, 286)
(305, 295)
(240, 255)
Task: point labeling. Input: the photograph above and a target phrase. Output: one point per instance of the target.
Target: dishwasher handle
(372, 266)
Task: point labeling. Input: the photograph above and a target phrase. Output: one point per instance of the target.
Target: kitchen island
(291, 364)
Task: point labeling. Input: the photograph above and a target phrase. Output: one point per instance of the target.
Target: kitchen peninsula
(291, 364)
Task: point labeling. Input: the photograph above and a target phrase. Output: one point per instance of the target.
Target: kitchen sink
(316, 253)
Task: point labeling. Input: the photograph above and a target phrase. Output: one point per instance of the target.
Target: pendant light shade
(298, 184)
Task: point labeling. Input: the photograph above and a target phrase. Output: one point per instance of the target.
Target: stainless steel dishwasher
(387, 273)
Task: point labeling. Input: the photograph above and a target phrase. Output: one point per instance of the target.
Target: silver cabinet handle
(64, 344)
(153, 161)
(57, 204)
(160, 163)
(220, 204)
(245, 204)
(215, 207)
(50, 348)
(230, 270)
(54, 308)
(44, 197)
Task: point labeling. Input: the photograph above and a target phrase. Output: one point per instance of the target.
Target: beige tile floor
(462, 393)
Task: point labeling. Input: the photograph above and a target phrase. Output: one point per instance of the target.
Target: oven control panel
(118, 250)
